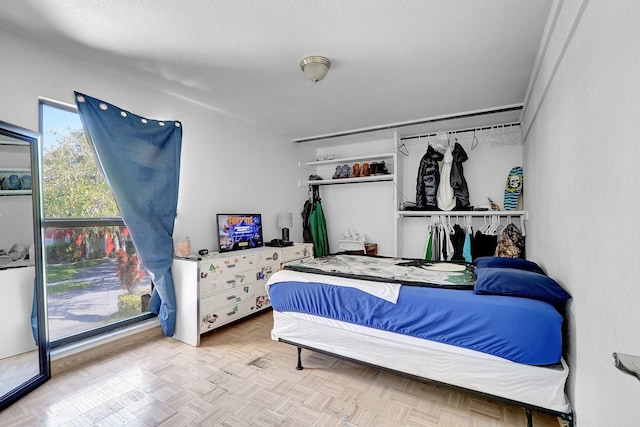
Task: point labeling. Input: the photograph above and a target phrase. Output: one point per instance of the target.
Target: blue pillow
(502, 262)
(518, 283)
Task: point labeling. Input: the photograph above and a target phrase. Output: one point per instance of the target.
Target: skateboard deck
(513, 188)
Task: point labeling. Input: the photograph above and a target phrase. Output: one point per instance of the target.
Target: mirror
(24, 346)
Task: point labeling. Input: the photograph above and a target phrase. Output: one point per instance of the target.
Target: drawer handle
(231, 313)
(231, 265)
(230, 297)
(231, 281)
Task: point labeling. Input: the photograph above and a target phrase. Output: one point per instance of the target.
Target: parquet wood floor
(240, 377)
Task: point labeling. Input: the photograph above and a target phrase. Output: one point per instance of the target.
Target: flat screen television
(239, 231)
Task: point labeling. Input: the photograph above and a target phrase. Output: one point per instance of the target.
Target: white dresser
(221, 288)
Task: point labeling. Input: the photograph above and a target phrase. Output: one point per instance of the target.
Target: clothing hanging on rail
(428, 180)
(458, 239)
(428, 253)
(458, 182)
(306, 213)
(483, 244)
(466, 249)
(445, 197)
(317, 224)
(511, 244)
(446, 242)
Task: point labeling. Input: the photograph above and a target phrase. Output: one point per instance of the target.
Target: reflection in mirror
(24, 356)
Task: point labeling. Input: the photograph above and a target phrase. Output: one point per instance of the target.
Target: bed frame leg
(299, 367)
(529, 417)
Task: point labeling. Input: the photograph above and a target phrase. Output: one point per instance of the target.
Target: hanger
(450, 225)
(474, 141)
(485, 225)
(497, 226)
(402, 149)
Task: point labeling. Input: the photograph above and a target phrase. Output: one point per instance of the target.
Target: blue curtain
(140, 159)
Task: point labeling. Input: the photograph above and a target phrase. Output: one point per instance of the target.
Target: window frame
(48, 222)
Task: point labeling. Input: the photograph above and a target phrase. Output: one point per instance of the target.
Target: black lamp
(285, 221)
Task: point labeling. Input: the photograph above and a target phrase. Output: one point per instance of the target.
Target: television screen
(239, 231)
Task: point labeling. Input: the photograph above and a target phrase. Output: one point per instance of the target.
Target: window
(94, 279)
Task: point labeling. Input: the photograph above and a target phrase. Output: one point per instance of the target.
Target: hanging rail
(443, 118)
(521, 215)
(455, 131)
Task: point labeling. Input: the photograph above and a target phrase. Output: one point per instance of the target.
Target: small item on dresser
(181, 246)
(203, 252)
(279, 243)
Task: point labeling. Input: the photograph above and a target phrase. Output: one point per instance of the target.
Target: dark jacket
(459, 184)
(428, 179)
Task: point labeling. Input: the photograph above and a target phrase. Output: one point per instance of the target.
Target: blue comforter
(518, 329)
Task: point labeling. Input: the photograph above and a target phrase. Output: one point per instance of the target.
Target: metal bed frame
(566, 416)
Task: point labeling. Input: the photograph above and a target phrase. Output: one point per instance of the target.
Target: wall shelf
(372, 157)
(325, 168)
(388, 177)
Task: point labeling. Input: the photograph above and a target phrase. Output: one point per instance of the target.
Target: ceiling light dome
(315, 67)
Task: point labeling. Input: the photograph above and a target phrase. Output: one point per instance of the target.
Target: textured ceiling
(392, 60)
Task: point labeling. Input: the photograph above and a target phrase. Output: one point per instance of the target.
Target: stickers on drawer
(264, 273)
(262, 301)
(224, 265)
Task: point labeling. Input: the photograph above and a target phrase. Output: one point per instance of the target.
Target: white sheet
(531, 385)
(386, 291)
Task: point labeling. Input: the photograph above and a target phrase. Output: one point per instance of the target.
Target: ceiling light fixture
(315, 67)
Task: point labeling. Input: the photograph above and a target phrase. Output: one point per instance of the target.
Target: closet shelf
(523, 214)
(388, 177)
(372, 157)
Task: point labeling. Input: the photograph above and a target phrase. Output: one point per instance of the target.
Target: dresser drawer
(226, 314)
(233, 295)
(217, 266)
(213, 284)
(295, 252)
(271, 256)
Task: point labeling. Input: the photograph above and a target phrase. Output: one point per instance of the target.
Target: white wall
(581, 157)
(226, 165)
(366, 208)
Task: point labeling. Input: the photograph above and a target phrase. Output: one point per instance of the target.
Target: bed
(493, 328)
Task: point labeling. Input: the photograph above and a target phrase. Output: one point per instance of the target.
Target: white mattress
(531, 385)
